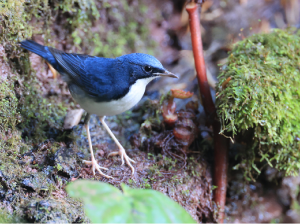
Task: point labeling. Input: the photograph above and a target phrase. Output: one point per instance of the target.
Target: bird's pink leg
(93, 161)
(121, 151)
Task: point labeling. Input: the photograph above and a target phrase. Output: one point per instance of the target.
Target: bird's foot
(123, 155)
(95, 166)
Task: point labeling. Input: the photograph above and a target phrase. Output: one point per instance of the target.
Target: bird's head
(144, 66)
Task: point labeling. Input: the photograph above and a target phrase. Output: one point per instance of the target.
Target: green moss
(128, 31)
(10, 139)
(23, 109)
(262, 100)
(8, 104)
(41, 117)
(14, 16)
(7, 217)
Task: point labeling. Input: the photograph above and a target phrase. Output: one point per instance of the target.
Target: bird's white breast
(114, 107)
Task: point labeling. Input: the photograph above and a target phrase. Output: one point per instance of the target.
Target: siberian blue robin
(103, 86)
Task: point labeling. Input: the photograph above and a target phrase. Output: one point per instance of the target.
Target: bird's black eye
(148, 68)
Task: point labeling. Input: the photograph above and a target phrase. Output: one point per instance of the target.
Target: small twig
(224, 84)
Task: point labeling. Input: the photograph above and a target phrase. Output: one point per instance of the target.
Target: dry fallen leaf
(181, 94)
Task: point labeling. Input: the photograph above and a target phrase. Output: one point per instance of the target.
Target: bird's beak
(167, 74)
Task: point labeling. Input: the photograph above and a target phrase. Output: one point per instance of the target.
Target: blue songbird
(103, 86)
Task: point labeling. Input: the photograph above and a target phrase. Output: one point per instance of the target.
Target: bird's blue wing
(86, 71)
(72, 64)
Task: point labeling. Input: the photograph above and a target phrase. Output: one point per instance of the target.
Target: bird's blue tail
(35, 48)
(42, 51)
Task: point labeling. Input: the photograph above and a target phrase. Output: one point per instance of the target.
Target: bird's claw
(95, 167)
(123, 155)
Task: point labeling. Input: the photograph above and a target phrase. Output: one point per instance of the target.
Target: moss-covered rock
(54, 211)
(258, 100)
(6, 217)
(83, 24)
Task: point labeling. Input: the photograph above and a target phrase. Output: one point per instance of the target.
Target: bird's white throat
(114, 107)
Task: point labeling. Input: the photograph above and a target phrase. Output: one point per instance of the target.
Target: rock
(64, 162)
(289, 190)
(3, 180)
(36, 182)
(292, 216)
(53, 211)
(266, 210)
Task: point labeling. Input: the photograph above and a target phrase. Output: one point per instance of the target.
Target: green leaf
(104, 203)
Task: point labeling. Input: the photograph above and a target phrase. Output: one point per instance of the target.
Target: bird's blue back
(103, 79)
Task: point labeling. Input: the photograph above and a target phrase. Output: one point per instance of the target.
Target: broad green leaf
(104, 203)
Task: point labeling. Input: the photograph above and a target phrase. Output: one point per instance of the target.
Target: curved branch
(221, 144)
